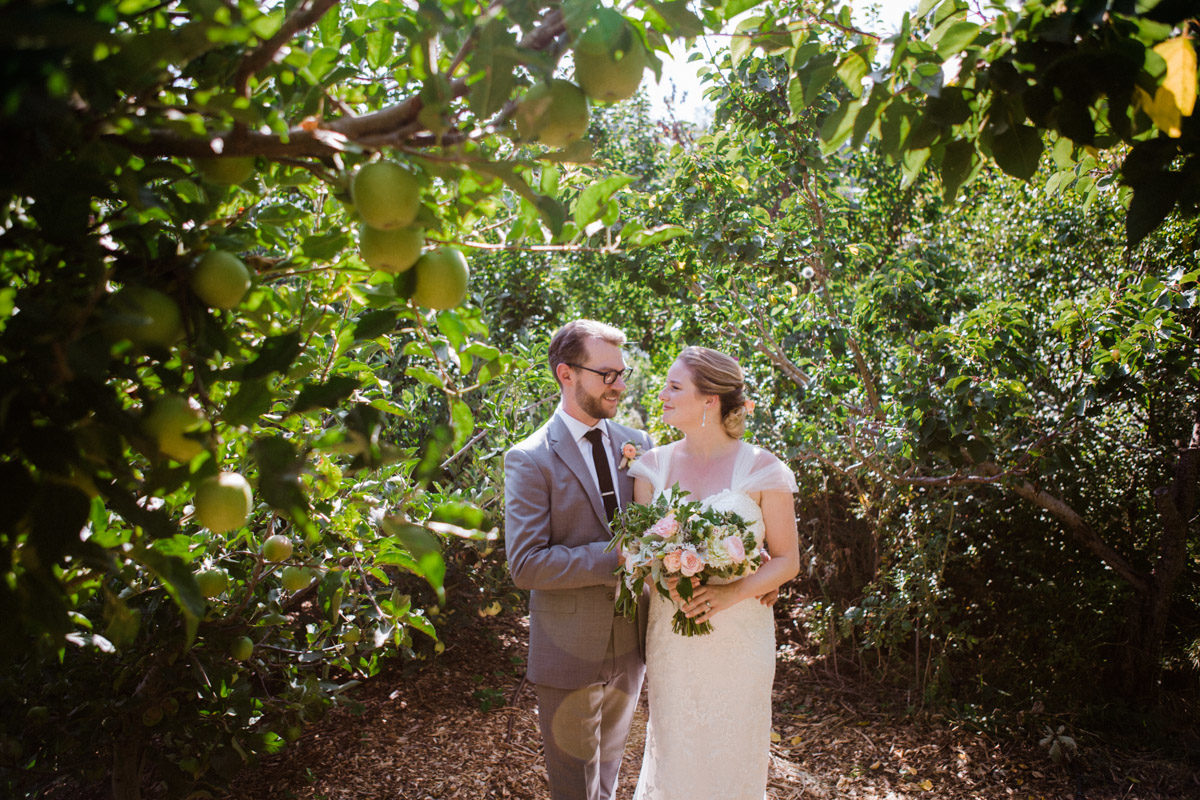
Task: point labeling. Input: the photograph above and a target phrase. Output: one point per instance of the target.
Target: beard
(592, 405)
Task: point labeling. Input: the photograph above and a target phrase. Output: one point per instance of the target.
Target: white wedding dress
(709, 733)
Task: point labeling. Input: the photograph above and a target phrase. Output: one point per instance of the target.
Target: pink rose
(690, 562)
(629, 450)
(672, 561)
(665, 527)
(735, 548)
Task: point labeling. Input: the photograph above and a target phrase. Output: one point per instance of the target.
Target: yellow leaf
(1175, 97)
(775, 737)
(927, 784)
(1161, 109)
(795, 740)
(1180, 80)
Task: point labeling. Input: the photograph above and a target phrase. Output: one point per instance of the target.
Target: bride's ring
(707, 604)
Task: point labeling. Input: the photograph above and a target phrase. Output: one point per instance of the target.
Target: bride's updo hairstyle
(716, 373)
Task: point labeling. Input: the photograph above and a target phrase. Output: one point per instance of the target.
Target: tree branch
(392, 126)
(1084, 534)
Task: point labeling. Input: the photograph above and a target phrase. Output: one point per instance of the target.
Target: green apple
(144, 316)
(220, 279)
(226, 170)
(391, 251)
(296, 578)
(277, 548)
(242, 648)
(441, 279)
(223, 502)
(169, 422)
(152, 716)
(554, 113)
(386, 195)
(212, 582)
(609, 59)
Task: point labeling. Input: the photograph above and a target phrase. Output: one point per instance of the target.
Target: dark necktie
(603, 473)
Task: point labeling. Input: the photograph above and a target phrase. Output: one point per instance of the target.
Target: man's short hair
(569, 345)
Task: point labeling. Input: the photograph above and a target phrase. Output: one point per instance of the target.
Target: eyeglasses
(609, 376)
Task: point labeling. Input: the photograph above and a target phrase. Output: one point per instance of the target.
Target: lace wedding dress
(709, 733)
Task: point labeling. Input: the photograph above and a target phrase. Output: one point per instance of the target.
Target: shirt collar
(577, 428)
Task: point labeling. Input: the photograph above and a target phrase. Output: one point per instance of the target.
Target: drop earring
(704, 416)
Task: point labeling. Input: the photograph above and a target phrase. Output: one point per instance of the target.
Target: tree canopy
(312, 251)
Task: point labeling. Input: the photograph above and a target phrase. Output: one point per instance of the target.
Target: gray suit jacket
(555, 535)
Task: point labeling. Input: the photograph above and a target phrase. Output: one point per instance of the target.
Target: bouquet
(672, 537)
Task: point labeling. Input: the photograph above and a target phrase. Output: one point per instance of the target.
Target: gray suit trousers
(584, 729)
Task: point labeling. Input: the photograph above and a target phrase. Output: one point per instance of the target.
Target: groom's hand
(769, 598)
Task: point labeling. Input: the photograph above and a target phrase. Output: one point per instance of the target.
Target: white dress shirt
(578, 431)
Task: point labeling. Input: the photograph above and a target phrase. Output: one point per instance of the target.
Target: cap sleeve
(768, 474)
(649, 467)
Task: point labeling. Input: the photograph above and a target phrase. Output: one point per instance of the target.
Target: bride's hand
(708, 601)
(672, 582)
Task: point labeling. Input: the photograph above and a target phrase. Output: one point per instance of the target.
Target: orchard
(276, 283)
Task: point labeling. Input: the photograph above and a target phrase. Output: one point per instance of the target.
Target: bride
(710, 695)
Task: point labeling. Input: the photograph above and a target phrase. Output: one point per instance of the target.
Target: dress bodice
(754, 470)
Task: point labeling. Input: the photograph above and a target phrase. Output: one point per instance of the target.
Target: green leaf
(594, 199)
(325, 246)
(325, 395)
(424, 547)
(739, 48)
(815, 76)
(425, 376)
(1152, 202)
(795, 95)
(951, 38)
(683, 22)
(375, 323)
(1017, 150)
(898, 119)
(733, 8)
(279, 469)
(656, 235)
(494, 61)
(276, 355)
(958, 162)
(852, 70)
(463, 422)
(252, 400)
(837, 126)
(452, 327)
(911, 164)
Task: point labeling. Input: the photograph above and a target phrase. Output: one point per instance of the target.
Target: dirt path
(459, 728)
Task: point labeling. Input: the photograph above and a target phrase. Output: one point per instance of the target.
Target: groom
(562, 487)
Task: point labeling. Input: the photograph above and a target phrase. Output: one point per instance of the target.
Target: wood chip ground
(424, 734)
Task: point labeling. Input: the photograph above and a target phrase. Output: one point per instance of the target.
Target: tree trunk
(1176, 504)
(127, 767)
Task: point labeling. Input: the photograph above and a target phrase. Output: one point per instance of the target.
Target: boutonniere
(630, 452)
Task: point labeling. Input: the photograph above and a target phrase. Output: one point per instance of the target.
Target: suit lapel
(568, 450)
